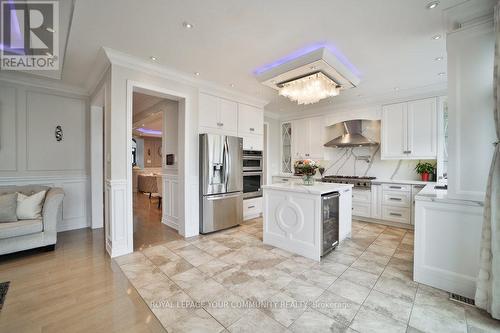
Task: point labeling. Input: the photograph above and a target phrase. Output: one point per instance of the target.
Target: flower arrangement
(306, 169)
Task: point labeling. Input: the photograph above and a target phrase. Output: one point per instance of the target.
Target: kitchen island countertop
(318, 188)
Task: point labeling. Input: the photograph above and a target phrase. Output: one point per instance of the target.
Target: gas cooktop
(357, 181)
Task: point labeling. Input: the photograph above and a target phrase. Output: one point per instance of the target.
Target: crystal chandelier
(309, 89)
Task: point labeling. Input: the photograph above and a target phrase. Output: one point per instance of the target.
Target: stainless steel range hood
(352, 136)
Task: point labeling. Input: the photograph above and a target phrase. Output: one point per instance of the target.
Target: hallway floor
(148, 229)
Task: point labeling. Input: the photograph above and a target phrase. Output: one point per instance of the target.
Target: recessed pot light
(432, 5)
(442, 74)
(438, 59)
(232, 85)
(396, 89)
(187, 25)
(436, 37)
(197, 73)
(153, 58)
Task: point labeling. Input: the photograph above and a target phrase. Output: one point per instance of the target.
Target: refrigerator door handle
(223, 196)
(226, 163)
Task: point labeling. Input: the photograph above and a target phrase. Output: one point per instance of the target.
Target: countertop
(429, 193)
(318, 188)
(375, 181)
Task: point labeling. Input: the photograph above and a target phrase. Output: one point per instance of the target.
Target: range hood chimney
(352, 136)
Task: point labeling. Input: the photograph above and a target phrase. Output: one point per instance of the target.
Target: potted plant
(424, 169)
(307, 169)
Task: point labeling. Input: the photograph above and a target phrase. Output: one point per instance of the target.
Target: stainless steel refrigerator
(221, 182)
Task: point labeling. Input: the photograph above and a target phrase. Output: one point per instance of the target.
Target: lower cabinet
(252, 208)
(361, 202)
(388, 202)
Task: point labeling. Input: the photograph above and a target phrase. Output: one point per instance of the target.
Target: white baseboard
(168, 222)
(73, 224)
(384, 222)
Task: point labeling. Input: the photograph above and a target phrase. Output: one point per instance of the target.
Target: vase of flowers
(306, 169)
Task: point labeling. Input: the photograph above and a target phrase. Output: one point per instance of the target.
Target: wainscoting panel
(119, 240)
(171, 201)
(44, 113)
(75, 208)
(8, 128)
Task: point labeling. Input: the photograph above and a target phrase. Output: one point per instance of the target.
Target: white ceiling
(389, 41)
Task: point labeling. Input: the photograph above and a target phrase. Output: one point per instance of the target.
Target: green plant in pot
(424, 169)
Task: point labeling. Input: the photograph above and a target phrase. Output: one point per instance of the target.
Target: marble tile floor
(231, 281)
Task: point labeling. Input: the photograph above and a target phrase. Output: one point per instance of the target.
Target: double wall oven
(252, 173)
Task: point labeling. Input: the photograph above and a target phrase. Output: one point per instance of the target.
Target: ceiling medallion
(309, 89)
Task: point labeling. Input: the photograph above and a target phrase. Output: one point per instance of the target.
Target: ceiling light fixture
(153, 58)
(197, 73)
(432, 5)
(436, 37)
(309, 89)
(232, 85)
(187, 25)
(438, 59)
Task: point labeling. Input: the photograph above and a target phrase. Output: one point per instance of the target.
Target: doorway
(154, 149)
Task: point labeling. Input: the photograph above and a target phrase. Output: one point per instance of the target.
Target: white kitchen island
(293, 216)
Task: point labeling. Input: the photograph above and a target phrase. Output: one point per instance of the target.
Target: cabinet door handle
(219, 124)
(396, 187)
(251, 206)
(395, 214)
(252, 129)
(395, 199)
(407, 152)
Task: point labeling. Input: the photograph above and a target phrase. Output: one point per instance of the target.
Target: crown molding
(42, 83)
(125, 60)
(468, 13)
(403, 95)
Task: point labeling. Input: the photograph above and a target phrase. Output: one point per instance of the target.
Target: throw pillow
(8, 205)
(30, 207)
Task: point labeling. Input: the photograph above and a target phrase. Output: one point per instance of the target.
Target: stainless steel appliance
(252, 160)
(357, 181)
(252, 174)
(330, 218)
(352, 137)
(252, 184)
(221, 182)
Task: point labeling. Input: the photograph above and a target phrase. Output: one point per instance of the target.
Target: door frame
(183, 147)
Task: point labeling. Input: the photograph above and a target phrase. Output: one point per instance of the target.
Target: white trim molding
(119, 235)
(75, 204)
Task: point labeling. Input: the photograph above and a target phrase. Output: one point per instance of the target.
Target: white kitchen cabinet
(252, 208)
(376, 201)
(286, 148)
(361, 202)
(252, 141)
(422, 128)
(218, 115)
(250, 120)
(300, 138)
(409, 130)
(308, 137)
(393, 131)
(345, 214)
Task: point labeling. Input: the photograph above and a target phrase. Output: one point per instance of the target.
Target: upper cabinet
(251, 120)
(308, 138)
(218, 115)
(222, 116)
(409, 130)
